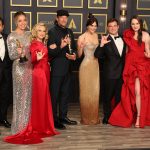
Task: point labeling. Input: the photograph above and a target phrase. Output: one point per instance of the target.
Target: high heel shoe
(137, 124)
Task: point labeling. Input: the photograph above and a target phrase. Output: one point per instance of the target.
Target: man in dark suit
(5, 78)
(60, 40)
(112, 50)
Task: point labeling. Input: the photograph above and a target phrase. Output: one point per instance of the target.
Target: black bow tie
(116, 37)
(1, 37)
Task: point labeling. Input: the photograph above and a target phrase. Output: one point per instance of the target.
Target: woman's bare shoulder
(145, 33)
(81, 37)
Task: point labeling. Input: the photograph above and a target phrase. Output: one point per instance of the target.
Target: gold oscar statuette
(22, 57)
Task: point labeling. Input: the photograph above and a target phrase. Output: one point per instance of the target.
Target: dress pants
(60, 95)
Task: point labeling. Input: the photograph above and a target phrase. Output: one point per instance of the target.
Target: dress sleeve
(33, 49)
(128, 36)
(12, 48)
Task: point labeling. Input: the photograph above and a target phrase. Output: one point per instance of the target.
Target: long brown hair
(139, 37)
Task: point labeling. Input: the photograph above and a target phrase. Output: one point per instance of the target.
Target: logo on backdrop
(98, 2)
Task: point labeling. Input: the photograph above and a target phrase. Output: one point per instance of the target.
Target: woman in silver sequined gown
(22, 74)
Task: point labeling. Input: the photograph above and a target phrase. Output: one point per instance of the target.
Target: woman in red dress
(41, 118)
(135, 97)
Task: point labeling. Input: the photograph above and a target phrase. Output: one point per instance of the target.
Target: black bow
(1, 37)
(116, 37)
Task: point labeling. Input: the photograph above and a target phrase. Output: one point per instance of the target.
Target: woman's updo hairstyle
(91, 20)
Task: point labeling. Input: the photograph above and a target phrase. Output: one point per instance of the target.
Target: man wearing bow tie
(112, 50)
(5, 78)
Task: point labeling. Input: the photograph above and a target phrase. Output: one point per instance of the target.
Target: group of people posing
(41, 73)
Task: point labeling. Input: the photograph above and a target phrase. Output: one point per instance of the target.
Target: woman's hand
(53, 46)
(40, 55)
(147, 54)
(20, 49)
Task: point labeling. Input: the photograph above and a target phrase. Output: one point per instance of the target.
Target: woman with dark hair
(89, 73)
(134, 106)
(18, 47)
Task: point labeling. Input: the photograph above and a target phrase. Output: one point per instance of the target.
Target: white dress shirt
(2, 48)
(119, 44)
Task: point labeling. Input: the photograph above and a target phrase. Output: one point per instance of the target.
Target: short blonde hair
(35, 29)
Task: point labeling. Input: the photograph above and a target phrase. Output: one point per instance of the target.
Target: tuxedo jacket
(113, 63)
(6, 64)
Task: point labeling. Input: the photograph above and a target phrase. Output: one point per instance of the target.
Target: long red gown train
(41, 118)
(136, 65)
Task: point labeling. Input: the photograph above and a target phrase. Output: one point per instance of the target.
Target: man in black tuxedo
(60, 40)
(5, 78)
(112, 50)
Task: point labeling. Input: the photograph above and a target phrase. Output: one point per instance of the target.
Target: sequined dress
(89, 86)
(22, 81)
(41, 123)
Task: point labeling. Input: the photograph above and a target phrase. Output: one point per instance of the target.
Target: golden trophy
(22, 57)
(69, 45)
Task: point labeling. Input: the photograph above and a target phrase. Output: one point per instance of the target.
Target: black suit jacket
(60, 65)
(6, 64)
(113, 63)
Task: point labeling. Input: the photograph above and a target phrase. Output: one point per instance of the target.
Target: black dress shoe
(68, 121)
(105, 120)
(59, 125)
(5, 123)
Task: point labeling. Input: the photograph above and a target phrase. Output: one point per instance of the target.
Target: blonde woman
(41, 120)
(18, 47)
